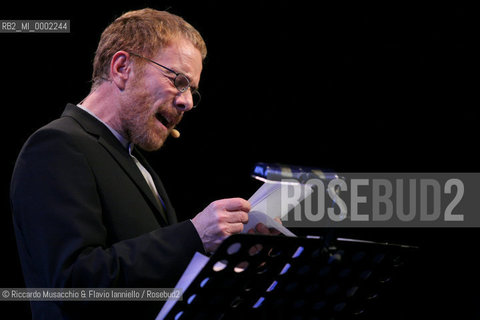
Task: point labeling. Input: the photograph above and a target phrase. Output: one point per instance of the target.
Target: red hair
(144, 32)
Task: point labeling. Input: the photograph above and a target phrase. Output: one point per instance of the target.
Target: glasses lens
(196, 98)
(181, 82)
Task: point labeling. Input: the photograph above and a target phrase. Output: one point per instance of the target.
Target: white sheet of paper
(193, 269)
(267, 204)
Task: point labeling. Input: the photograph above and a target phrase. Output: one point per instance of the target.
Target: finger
(236, 216)
(274, 231)
(234, 228)
(261, 228)
(255, 249)
(237, 204)
(278, 220)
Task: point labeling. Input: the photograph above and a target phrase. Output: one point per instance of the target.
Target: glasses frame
(174, 81)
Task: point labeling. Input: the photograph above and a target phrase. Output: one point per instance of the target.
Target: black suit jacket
(84, 216)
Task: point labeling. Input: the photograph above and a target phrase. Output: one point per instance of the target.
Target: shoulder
(58, 134)
(75, 128)
(60, 143)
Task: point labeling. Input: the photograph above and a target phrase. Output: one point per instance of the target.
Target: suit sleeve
(59, 229)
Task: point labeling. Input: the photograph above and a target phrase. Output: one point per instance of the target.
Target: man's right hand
(221, 219)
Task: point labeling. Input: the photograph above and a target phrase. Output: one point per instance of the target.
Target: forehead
(181, 56)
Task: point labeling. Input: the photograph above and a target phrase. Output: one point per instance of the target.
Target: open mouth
(167, 123)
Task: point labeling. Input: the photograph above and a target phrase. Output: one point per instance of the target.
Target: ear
(120, 68)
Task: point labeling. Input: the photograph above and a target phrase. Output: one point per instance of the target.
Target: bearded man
(88, 210)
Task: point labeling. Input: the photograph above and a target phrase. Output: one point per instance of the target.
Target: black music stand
(276, 277)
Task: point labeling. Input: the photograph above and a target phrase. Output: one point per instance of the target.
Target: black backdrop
(349, 87)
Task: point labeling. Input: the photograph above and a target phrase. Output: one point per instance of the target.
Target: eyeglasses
(181, 82)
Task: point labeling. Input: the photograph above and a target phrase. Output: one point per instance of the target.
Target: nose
(184, 101)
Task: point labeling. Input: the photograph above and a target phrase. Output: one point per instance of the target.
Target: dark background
(348, 87)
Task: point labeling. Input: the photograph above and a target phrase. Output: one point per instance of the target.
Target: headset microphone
(175, 133)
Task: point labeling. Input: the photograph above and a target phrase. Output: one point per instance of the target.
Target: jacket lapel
(170, 211)
(118, 153)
